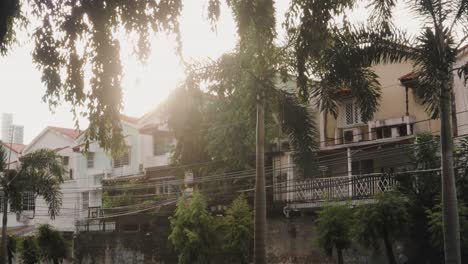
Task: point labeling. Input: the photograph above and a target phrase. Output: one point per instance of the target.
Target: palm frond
(3, 159)
(463, 72)
(381, 12)
(431, 68)
(298, 124)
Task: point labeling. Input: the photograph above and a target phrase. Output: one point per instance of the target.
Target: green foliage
(30, 253)
(117, 200)
(422, 188)
(193, 231)
(12, 247)
(334, 226)
(461, 159)
(52, 245)
(386, 219)
(436, 228)
(62, 57)
(237, 229)
(9, 15)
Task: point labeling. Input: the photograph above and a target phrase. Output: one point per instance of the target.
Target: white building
(61, 140)
(10, 132)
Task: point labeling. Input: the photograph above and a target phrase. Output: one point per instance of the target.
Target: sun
(147, 85)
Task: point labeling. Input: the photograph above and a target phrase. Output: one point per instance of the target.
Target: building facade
(10, 132)
(355, 155)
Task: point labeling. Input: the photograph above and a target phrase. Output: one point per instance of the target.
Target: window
(164, 187)
(161, 144)
(362, 167)
(351, 113)
(90, 160)
(28, 201)
(65, 161)
(1, 202)
(123, 160)
(85, 200)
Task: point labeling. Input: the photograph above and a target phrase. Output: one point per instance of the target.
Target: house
(14, 151)
(61, 140)
(351, 147)
(119, 185)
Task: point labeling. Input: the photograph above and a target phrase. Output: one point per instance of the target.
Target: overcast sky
(144, 86)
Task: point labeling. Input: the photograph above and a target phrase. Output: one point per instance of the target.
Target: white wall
(69, 212)
(461, 97)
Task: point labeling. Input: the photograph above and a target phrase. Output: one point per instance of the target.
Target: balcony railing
(335, 188)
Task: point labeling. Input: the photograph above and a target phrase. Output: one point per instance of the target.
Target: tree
(52, 245)
(385, 221)
(237, 230)
(193, 231)
(62, 58)
(30, 251)
(334, 225)
(12, 247)
(40, 174)
(422, 189)
(436, 229)
(433, 54)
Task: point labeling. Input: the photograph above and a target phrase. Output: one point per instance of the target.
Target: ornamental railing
(334, 188)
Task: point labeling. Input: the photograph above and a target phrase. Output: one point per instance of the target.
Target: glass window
(90, 160)
(123, 160)
(28, 201)
(85, 200)
(161, 144)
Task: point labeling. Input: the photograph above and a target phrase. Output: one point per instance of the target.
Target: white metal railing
(334, 188)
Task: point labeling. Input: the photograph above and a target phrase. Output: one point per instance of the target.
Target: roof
(129, 119)
(408, 77)
(69, 132)
(18, 148)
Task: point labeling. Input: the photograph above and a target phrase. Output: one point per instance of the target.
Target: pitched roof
(408, 77)
(129, 119)
(18, 148)
(69, 132)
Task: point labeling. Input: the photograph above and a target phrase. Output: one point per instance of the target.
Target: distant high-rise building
(7, 122)
(10, 132)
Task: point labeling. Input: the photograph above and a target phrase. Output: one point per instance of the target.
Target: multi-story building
(10, 132)
(61, 140)
(351, 148)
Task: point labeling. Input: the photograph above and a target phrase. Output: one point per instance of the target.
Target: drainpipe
(408, 125)
(350, 172)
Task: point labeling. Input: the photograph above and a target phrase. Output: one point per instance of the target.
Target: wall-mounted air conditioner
(352, 135)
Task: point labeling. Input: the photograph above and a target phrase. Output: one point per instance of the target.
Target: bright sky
(144, 86)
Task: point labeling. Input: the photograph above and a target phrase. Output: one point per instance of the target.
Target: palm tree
(40, 174)
(351, 51)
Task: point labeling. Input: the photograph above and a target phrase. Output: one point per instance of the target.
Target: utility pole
(260, 194)
(4, 256)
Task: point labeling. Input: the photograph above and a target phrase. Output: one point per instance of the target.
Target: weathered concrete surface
(289, 241)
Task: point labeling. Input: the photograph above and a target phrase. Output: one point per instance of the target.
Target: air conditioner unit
(352, 135)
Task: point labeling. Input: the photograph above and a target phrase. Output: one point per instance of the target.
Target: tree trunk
(260, 196)
(389, 249)
(451, 226)
(3, 259)
(339, 253)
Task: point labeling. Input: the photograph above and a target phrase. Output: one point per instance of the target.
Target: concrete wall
(289, 241)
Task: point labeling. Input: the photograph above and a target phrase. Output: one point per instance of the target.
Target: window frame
(90, 156)
(124, 160)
